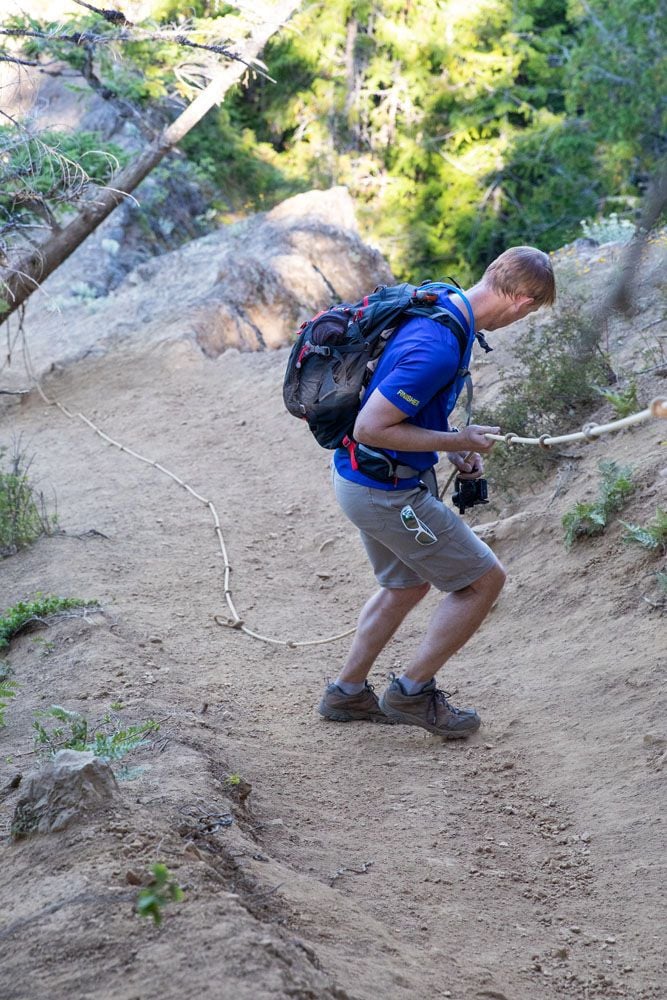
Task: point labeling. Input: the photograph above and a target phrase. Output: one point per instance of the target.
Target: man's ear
(523, 305)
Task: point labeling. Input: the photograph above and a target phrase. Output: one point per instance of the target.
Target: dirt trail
(525, 864)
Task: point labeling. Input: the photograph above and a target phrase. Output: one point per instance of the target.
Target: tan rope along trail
(658, 408)
(235, 622)
(590, 432)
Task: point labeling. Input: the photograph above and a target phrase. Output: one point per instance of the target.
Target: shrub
(23, 512)
(608, 229)
(587, 519)
(7, 691)
(561, 364)
(25, 613)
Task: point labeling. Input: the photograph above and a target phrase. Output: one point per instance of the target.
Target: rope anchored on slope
(591, 432)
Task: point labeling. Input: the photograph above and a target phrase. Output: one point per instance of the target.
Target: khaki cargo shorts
(412, 538)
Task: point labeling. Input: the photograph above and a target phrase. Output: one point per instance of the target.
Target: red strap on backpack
(349, 446)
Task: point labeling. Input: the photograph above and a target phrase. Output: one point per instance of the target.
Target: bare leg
(379, 619)
(457, 617)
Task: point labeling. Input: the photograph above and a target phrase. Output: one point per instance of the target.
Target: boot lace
(440, 697)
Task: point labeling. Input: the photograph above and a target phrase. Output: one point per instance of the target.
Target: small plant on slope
(23, 513)
(162, 890)
(27, 612)
(7, 691)
(624, 401)
(651, 536)
(66, 730)
(587, 519)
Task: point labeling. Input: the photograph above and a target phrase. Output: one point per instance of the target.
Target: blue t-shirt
(419, 361)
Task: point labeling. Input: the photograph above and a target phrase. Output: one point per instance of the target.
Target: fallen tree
(19, 280)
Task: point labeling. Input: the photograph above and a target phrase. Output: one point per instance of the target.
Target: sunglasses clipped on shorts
(424, 535)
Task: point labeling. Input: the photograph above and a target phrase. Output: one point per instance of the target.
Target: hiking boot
(341, 707)
(430, 710)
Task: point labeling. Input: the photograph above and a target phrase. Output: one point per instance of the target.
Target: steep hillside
(366, 862)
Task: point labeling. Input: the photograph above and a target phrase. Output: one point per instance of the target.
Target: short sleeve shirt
(420, 360)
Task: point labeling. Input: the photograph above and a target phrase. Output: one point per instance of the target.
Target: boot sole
(340, 715)
(408, 720)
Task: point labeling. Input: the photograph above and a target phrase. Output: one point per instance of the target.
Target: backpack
(336, 353)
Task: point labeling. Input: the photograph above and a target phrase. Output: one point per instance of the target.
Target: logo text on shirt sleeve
(408, 398)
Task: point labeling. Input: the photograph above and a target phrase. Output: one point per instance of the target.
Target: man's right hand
(472, 438)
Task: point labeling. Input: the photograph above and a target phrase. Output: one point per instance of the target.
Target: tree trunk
(655, 202)
(22, 280)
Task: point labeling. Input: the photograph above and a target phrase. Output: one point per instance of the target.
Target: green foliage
(559, 366)
(661, 577)
(624, 401)
(66, 730)
(455, 141)
(26, 612)
(42, 174)
(7, 691)
(587, 519)
(618, 78)
(459, 129)
(652, 536)
(162, 890)
(23, 513)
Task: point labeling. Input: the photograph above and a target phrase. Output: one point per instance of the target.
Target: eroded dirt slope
(368, 861)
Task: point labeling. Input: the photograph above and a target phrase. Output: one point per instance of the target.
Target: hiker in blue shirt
(412, 540)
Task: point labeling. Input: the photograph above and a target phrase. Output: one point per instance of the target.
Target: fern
(624, 401)
(109, 742)
(651, 536)
(588, 519)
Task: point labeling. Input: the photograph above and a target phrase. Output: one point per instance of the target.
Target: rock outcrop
(248, 286)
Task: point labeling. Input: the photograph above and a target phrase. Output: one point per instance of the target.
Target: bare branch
(112, 16)
(20, 62)
(175, 37)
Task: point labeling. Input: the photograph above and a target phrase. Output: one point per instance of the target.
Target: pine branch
(91, 38)
(112, 16)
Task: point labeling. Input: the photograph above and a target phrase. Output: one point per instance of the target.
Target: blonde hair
(523, 271)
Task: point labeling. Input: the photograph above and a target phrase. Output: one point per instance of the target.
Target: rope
(235, 622)
(590, 432)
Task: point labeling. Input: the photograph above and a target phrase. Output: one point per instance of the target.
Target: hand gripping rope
(590, 432)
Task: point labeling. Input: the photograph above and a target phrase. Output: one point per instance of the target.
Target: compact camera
(469, 492)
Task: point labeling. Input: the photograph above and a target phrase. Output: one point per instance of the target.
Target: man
(412, 540)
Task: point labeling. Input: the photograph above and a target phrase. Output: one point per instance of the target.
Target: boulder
(247, 286)
(72, 783)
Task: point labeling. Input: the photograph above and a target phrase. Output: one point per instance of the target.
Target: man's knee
(406, 596)
(491, 582)
(494, 579)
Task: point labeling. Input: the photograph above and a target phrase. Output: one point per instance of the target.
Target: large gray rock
(248, 286)
(72, 783)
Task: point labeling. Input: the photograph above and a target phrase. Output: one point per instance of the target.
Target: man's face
(511, 310)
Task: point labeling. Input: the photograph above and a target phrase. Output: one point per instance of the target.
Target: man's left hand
(471, 466)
